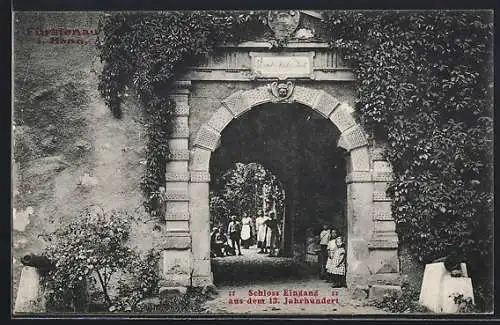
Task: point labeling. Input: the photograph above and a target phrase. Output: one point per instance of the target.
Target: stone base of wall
(179, 269)
(385, 279)
(176, 268)
(378, 291)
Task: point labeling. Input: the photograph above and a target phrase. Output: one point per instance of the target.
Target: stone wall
(70, 153)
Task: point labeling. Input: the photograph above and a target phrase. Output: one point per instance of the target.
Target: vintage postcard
(265, 162)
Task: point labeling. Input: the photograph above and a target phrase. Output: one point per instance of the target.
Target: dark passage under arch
(300, 147)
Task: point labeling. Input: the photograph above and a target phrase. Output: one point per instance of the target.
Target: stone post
(177, 260)
(200, 231)
(359, 223)
(383, 246)
(206, 142)
(29, 297)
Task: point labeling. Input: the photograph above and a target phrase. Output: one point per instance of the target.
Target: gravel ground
(257, 284)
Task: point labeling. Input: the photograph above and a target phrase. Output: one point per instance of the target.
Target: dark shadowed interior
(300, 147)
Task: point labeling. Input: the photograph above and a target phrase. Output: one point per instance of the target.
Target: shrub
(90, 252)
(465, 304)
(425, 87)
(407, 302)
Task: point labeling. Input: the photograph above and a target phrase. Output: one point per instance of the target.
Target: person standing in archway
(324, 238)
(234, 231)
(271, 234)
(336, 263)
(331, 248)
(261, 232)
(246, 231)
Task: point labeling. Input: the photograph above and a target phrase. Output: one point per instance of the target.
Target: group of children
(219, 243)
(332, 257)
(241, 234)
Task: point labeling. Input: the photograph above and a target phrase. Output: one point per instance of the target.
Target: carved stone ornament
(281, 90)
(283, 23)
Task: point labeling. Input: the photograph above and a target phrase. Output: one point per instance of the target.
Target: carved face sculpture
(282, 90)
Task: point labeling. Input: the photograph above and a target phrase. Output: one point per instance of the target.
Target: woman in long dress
(246, 231)
(261, 232)
(271, 233)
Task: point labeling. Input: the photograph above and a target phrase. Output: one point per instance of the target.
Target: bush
(465, 304)
(425, 88)
(405, 303)
(91, 252)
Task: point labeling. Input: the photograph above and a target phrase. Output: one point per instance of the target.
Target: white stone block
(178, 144)
(200, 159)
(360, 160)
(430, 295)
(177, 210)
(383, 166)
(29, 293)
(21, 219)
(451, 286)
(177, 225)
(176, 167)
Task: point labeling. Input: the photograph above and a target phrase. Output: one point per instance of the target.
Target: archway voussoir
(257, 96)
(236, 103)
(360, 159)
(352, 138)
(342, 143)
(306, 96)
(207, 138)
(325, 104)
(342, 118)
(220, 119)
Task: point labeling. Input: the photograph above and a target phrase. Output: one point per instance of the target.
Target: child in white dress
(335, 265)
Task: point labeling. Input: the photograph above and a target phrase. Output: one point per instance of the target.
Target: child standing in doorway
(335, 266)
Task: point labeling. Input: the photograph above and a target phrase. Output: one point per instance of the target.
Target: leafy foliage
(142, 52)
(465, 304)
(406, 302)
(142, 284)
(92, 250)
(243, 189)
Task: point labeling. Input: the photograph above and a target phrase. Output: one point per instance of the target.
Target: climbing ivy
(141, 54)
(424, 87)
(424, 82)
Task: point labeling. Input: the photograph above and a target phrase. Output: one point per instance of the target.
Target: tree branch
(104, 288)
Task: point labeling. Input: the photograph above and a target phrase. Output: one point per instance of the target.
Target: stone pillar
(383, 246)
(359, 220)
(206, 141)
(200, 227)
(177, 258)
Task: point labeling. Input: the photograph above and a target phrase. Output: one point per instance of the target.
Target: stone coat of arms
(283, 23)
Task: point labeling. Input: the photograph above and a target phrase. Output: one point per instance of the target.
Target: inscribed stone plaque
(282, 66)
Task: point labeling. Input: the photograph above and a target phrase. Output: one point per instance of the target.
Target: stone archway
(184, 239)
(372, 240)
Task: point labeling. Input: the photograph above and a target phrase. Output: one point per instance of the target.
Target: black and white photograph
(252, 162)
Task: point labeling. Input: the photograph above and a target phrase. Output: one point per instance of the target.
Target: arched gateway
(372, 240)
